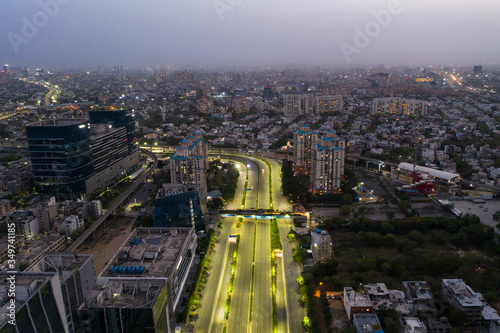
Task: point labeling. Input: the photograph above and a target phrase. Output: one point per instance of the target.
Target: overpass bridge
(116, 203)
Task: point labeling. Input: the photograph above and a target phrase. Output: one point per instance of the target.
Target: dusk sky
(184, 33)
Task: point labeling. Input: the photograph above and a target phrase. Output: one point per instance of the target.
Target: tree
(416, 236)
(404, 205)
(367, 264)
(386, 228)
(215, 203)
(298, 254)
(460, 240)
(345, 210)
(306, 324)
(346, 199)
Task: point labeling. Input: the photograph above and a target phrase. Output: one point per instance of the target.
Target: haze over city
(239, 166)
(214, 33)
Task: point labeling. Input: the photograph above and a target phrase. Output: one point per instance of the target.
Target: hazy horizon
(232, 33)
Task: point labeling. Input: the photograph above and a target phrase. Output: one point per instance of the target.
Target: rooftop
(412, 324)
(367, 322)
(134, 293)
(418, 290)
(171, 189)
(26, 285)
(59, 122)
(463, 293)
(149, 252)
(356, 299)
(322, 237)
(432, 172)
(63, 262)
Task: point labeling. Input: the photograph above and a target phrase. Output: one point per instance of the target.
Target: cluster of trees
(296, 186)
(275, 236)
(423, 247)
(308, 283)
(223, 176)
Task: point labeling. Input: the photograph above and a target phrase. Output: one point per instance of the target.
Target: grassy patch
(275, 236)
(244, 199)
(231, 281)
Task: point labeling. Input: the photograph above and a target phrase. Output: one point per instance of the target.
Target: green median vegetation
(253, 272)
(271, 206)
(205, 245)
(275, 235)
(251, 294)
(244, 199)
(275, 245)
(231, 281)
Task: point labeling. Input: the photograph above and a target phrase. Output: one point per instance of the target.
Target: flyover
(116, 203)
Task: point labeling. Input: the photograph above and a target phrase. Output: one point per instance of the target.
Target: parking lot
(486, 216)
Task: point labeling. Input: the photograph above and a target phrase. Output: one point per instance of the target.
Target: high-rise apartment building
(184, 77)
(188, 164)
(293, 105)
(398, 105)
(331, 103)
(322, 158)
(413, 107)
(327, 164)
(304, 140)
(309, 104)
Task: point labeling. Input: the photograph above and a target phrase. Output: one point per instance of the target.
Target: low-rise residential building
(378, 294)
(322, 246)
(419, 293)
(32, 251)
(438, 325)
(4, 206)
(355, 302)
(72, 223)
(366, 323)
(412, 325)
(459, 295)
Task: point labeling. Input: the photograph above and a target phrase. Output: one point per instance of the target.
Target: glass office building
(38, 304)
(116, 117)
(61, 155)
(128, 305)
(178, 206)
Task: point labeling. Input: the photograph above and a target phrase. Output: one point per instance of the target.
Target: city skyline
(223, 33)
